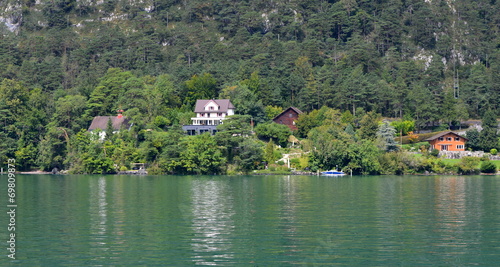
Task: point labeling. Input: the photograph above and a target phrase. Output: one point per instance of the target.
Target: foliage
(399, 163)
(468, 165)
(98, 165)
(403, 126)
(279, 133)
(232, 133)
(343, 62)
(412, 137)
(369, 125)
(488, 167)
(334, 147)
(473, 136)
(250, 155)
(272, 111)
(316, 118)
(269, 155)
(385, 137)
(245, 102)
(488, 138)
(434, 152)
(200, 87)
(200, 155)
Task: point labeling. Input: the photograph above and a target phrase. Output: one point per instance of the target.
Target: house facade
(447, 141)
(288, 117)
(209, 114)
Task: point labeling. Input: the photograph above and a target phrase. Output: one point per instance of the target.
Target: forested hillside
(64, 61)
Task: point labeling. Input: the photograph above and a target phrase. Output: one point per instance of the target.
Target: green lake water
(85, 220)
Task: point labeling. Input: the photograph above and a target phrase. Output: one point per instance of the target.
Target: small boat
(333, 173)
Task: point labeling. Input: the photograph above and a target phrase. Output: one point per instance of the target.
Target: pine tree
(385, 137)
(109, 129)
(488, 137)
(269, 152)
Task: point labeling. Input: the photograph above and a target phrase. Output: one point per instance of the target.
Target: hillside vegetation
(64, 61)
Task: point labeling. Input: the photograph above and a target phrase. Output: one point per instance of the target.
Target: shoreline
(295, 173)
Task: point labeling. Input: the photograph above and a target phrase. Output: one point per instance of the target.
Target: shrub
(435, 153)
(468, 165)
(493, 151)
(295, 162)
(488, 167)
(412, 138)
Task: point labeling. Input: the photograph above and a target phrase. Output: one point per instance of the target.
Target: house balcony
(207, 120)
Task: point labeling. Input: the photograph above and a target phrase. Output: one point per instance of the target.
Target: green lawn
(451, 161)
(455, 161)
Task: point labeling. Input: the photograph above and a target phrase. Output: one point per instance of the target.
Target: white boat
(333, 173)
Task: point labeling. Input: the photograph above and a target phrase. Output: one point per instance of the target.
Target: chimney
(119, 116)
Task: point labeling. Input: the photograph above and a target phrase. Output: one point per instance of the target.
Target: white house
(212, 112)
(209, 114)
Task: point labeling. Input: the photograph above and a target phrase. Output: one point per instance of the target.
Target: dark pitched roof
(443, 134)
(224, 105)
(101, 122)
(298, 111)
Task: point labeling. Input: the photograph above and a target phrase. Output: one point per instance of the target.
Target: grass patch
(452, 162)
(416, 145)
(497, 162)
(455, 161)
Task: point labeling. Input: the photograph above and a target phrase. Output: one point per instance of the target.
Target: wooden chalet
(288, 117)
(447, 141)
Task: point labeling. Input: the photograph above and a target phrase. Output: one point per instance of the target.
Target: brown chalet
(288, 117)
(447, 141)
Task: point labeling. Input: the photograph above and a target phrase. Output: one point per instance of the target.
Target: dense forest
(62, 62)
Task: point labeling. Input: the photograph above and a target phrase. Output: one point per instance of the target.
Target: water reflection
(288, 213)
(455, 220)
(212, 222)
(98, 214)
(259, 221)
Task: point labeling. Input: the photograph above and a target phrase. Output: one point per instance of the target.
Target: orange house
(447, 141)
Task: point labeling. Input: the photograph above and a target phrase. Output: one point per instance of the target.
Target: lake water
(254, 220)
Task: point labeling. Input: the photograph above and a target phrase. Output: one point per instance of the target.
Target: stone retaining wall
(461, 154)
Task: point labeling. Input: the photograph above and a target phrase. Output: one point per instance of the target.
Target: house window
(460, 146)
(448, 138)
(457, 138)
(219, 114)
(211, 108)
(441, 138)
(290, 115)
